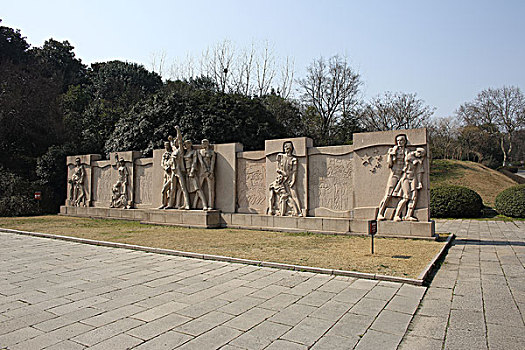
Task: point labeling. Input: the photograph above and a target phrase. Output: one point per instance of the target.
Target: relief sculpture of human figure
(178, 174)
(167, 166)
(284, 185)
(207, 157)
(191, 163)
(77, 193)
(278, 192)
(119, 199)
(396, 162)
(409, 185)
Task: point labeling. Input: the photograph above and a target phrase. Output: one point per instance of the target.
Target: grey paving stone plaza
(63, 295)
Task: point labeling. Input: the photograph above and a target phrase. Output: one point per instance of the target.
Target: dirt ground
(393, 256)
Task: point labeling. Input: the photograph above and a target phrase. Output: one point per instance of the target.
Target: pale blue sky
(445, 51)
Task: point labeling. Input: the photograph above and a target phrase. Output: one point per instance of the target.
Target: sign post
(38, 197)
(372, 230)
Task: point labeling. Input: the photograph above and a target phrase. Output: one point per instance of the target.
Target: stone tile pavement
(477, 298)
(63, 295)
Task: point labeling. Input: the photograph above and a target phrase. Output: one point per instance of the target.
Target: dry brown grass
(333, 252)
(485, 181)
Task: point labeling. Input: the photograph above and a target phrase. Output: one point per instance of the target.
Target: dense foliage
(200, 113)
(16, 195)
(455, 202)
(52, 105)
(511, 202)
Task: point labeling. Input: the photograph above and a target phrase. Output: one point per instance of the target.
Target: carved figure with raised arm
(178, 174)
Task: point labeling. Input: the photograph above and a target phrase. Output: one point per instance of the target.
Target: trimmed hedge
(511, 202)
(455, 202)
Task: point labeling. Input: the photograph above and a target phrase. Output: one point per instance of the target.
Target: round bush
(455, 202)
(511, 202)
(511, 168)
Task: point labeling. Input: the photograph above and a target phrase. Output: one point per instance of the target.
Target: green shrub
(511, 168)
(455, 202)
(16, 195)
(511, 202)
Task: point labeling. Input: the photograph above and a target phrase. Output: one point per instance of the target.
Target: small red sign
(38, 195)
(372, 227)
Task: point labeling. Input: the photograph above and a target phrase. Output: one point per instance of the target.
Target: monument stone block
(226, 170)
(251, 182)
(157, 216)
(290, 185)
(173, 216)
(242, 220)
(261, 221)
(336, 225)
(285, 222)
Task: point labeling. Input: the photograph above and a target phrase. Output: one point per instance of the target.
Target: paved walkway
(477, 298)
(64, 295)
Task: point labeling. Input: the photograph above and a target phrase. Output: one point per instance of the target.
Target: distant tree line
(489, 130)
(52, 105)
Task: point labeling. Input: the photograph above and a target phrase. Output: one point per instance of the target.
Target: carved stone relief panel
(380, 167)
(330, 184)
(79, 177)
(251, 185)
(143, 183)
(103, 178)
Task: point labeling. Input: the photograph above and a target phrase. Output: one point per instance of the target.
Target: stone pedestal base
(327, 225)
(186, 218)
(216, 219)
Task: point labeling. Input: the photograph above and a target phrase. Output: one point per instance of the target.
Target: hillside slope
(485, 181)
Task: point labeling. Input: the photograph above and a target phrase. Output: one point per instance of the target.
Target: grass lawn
(485, 181)
(393, 256)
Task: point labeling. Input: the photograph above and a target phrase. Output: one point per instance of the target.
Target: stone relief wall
(290, 177)
(143, 181)
(380, 164)
(103, 179)
(79, 179)
(251, 181)
(330, 181)
(287, 176)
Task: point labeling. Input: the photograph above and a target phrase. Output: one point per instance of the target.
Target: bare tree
(219, 64)
(250, 71)
(287, 77)
(243, 82)
(158, 61)
(265, 67)
(394, 111)
(443, 133)
(500, 111)
(183, 69)
(331, 88)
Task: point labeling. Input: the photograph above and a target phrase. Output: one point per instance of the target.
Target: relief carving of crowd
(188, 172)
(189, 180)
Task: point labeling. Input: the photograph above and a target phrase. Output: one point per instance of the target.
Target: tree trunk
(502, 146)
